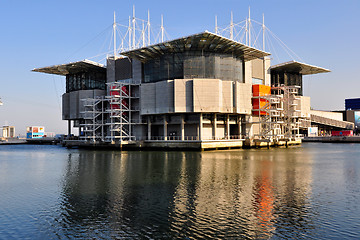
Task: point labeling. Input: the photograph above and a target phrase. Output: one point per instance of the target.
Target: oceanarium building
(202, 91)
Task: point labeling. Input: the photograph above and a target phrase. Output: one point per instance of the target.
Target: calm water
(49, 192)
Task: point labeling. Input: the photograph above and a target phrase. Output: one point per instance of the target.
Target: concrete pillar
(182, 127)
(165, 128)
(214, 126)
(69, 128)
(149, 128)
(239, 125)
(227, 136)
(200, 127)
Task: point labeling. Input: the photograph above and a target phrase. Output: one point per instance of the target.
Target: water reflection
(230, 194)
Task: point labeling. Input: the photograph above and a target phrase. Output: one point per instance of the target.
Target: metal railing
(331, 122)
(191, 138)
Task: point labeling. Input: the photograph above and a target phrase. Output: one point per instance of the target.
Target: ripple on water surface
(306, 192)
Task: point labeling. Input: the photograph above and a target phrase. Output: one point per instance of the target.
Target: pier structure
(196, 92)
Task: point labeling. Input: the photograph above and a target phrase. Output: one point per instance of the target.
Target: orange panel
(261, 90)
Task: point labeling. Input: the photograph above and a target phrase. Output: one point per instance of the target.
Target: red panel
(342, 133)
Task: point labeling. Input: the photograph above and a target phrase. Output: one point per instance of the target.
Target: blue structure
(352, 104)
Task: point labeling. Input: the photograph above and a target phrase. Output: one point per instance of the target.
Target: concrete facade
(178, 94)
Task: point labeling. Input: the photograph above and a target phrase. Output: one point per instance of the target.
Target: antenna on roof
(162, 28)
(133, 30)
(216, 26)
(148, 27)
(114, 29)
(143, 34)
(231, 27)
(249, 25)
(130, 33)
(263, 32)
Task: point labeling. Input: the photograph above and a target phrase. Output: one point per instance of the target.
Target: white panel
(267, 71)
(227, 96)
(243, 95)
(206, 95)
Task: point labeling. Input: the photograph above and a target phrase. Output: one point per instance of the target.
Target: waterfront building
(199, 91)
(35, 132)
(8, 132)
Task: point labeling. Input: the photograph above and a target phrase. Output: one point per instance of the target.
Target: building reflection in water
(239, 194)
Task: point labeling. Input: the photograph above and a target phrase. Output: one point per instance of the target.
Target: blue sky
(42, 33)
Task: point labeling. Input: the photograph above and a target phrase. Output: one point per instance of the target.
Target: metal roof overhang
(205, 41)
(298, 67)
(71, 68)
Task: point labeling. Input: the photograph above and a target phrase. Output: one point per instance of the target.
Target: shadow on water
(228, 194)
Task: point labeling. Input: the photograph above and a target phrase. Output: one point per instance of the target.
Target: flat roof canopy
(298, 67)
(71, 68)
(204, 41)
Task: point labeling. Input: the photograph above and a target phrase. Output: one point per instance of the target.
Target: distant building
(352, 104)
(35, 132)
(8, 131)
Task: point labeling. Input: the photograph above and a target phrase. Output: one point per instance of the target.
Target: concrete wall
(195, 95)
(227, 96)
(248, 72)
(267, 64)
(304, 106)
(207, 131)
(206, 95)
(220, 131)
(350, 116)
(164, 96)
(137, 71)
(257, 67)
(332, 115)
(243, 98)
(73, 106)
(148, 98)
(183, 95)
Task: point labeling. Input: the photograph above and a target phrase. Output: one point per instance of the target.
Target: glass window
(194, 64)
(257, 81)
(85, 81)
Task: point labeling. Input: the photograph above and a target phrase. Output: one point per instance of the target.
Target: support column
(227, 136)
(165, 128)
(214, 127)
(200, 127)
(69, 128)
(149, 127)
(239, 126)
(182, 128)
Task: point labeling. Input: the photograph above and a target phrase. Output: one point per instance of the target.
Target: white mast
(133, 28)
(216, 26)
(263, 28)
(162, 28)
(130, 33)
(148, 27)
(249, 28)
(114, 28)
(246, 32)
(231, 27)
(143, 34)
